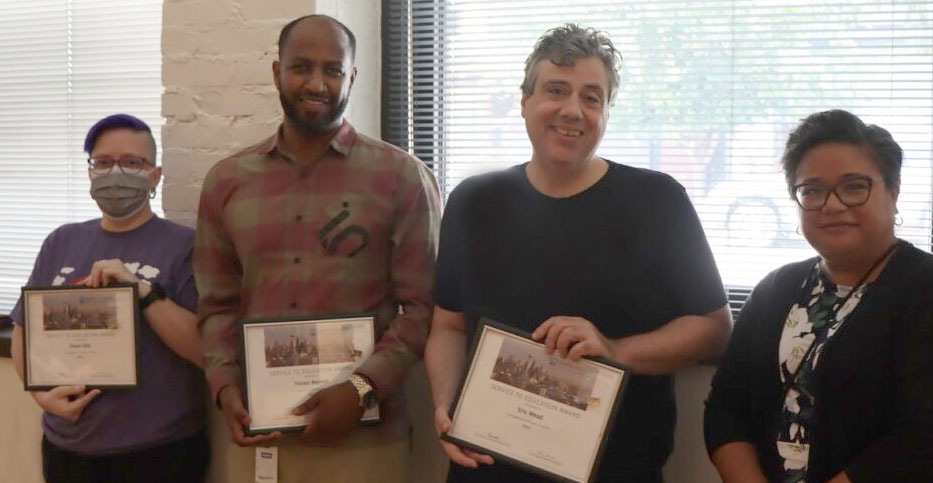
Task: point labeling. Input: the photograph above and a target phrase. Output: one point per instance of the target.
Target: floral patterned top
(810, 321)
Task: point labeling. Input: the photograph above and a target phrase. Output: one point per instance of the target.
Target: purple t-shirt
(168, 404)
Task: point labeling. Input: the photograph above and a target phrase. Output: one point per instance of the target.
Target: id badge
(267, 464)
(796, 455)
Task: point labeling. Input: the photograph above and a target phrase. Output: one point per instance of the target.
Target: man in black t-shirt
(591, 257)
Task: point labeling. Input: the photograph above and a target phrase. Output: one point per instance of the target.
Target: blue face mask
(120, 195)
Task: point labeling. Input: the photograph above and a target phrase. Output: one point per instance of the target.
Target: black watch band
(156, 292)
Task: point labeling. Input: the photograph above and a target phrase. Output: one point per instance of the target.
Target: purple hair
(115, 121)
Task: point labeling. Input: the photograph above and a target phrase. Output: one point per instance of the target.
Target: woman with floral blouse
(829, 373)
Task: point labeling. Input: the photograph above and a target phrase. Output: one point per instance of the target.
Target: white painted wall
(20, 430)
(689, 463)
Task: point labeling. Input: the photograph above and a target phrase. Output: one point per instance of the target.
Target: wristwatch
(155, 293)
(365, 390)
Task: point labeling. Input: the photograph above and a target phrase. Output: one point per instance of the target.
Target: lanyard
(792, 380)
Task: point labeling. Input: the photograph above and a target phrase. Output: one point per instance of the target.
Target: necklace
(792, 380)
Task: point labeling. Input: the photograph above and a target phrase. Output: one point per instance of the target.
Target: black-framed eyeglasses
(128, 164)
(851, 192)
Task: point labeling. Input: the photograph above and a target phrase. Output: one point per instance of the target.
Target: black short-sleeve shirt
(628, 254)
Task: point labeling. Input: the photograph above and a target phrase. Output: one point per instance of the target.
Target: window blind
(710, 90)
(64, 64)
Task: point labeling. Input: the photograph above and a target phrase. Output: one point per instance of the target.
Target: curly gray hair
(564, 44)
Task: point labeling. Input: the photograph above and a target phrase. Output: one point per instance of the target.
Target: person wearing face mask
(155, 432)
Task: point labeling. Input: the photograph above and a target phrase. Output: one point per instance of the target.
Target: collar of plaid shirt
(342, 142)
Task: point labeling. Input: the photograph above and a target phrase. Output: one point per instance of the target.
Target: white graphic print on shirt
(147, 272)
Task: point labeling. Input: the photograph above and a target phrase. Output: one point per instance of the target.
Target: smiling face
(838, 232)
(566, 114)
(314, 75)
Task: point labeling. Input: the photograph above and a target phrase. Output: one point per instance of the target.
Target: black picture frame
(310, 320)
(122, 289)
(498, 456)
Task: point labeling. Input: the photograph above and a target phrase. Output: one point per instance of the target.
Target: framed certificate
(286, 361)
(542, 412)
(80, 335)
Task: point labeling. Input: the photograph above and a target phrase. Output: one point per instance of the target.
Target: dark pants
(182, 461)
(503, 473)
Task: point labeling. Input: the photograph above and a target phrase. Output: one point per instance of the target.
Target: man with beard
(319, 219)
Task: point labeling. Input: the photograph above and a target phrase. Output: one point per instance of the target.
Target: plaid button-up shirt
(353, 231)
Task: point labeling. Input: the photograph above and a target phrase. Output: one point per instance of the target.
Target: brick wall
(219, 96)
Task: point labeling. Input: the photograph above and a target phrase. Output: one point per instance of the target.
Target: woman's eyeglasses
(850, 192)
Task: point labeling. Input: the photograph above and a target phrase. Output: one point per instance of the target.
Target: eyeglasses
(128, 164)
(851, 192)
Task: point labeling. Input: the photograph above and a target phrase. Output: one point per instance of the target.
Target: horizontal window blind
(64, 65)
(710, 90)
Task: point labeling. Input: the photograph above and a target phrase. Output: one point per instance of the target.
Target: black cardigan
(873, 413)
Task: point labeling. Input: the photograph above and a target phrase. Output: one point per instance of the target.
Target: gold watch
(364, 389)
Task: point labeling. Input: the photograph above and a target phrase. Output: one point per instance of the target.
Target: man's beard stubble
(312, 126)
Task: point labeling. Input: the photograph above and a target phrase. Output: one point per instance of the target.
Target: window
(64, 64)
(709, 91)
